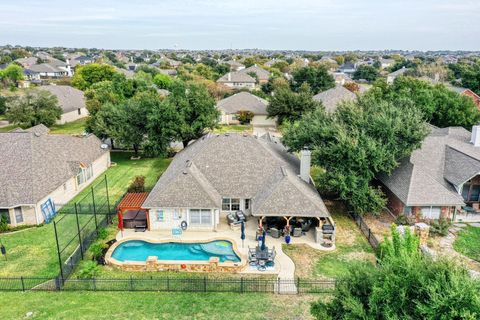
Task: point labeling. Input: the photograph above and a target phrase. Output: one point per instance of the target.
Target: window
(18, 214)
(177, 215)
(84, 175)
(79, 111)
(160, 216)
(247, 204)
(5, 213)
(475, 192)
(465, 191)
(229, 204)
(200, 216)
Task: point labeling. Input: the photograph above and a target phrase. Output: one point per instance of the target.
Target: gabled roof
(237, 76)
(243, 101)
(237, 166)
(69, 98)
(331, 97)
(398, 72)
(433, 174)
(262, 74)
(35, 163)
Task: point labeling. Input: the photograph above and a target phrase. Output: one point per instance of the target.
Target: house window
(200, 216)
(18, 214)
(229, 204)
(5, 213)
(84, 175)
(247, 204)
(79, 111)
(160, 216)
(177, 215)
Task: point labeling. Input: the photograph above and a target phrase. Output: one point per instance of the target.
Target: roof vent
(284, 171)
(189, 164)
(185, 172)
(37, 134)
(245, 134)
(104, 146)
(227, 134)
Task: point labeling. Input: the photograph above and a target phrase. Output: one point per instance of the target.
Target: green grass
(32, 252)
(468, 242)
(8, 128)
(75, 127)
(153, 305)
(232, 128)
(351, 246)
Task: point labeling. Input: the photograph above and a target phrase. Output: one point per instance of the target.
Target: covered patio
(130, 213)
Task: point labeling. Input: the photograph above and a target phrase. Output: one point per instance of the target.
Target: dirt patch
(380, 224)
(304, 257)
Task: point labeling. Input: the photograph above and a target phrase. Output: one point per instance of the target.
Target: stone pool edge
(153, 264)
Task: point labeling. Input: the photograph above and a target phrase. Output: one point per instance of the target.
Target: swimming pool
(140, 250)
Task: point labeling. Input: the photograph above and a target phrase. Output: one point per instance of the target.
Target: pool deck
(284, 266)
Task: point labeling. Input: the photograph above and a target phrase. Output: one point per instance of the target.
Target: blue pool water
(138, 250)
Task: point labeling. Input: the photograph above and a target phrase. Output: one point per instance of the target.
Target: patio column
(260, 222)
(147, 212)
(120, 220)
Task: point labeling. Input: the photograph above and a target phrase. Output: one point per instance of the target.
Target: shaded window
(200, 216)
(5, 213)
(18, 214)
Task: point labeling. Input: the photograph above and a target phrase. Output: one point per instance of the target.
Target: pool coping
(153, 264)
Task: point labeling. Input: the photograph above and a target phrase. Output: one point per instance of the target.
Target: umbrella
(243, 233)
(264, 235)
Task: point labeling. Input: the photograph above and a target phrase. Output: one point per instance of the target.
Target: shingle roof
(236, 77)
(429, 176)
(243, 101)
(237, 166)
(69, 98)
(35, 163)
(331, 97)
(398, 72)
(262, 74)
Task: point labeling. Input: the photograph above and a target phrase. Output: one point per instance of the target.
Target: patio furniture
(297, 232)
(275, 233)
(240, 216)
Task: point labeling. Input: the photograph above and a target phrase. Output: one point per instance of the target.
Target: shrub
(102, 234)
(138, 184)
(439, 227)
(3, 223)
(88, 270)
(97, 249)
(245, 116)
(404, 220)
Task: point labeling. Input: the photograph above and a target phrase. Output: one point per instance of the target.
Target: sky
(225, 24)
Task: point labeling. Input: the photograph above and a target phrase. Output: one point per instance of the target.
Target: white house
(245, 101)
(237, 80)
(71, 100)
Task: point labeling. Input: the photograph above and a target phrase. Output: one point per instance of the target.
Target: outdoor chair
(297, 232)
(275, 233)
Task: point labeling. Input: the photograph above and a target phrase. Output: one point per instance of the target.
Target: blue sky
(267, 24)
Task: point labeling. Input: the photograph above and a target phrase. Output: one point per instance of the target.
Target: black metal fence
(372, 239)
(78, 223)
(172, 284)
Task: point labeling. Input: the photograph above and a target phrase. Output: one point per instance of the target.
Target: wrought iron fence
(372, 239)
(172, 284)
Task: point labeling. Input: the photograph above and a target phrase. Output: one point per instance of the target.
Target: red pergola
(131, 201)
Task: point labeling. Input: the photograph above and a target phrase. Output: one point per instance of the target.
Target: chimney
(305, 160)
(229, 77)
(475, 138)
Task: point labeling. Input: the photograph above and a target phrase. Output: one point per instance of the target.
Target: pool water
(138, 250)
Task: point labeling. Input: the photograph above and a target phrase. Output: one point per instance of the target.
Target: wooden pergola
(131, 201)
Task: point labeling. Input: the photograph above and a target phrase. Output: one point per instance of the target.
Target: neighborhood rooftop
(243, 101)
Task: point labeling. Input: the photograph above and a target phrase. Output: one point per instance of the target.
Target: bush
(97, 249)
(102, 234)
(3, 223)
(404, 220)
(439, 227)
(88, 270)
(138, 184)
(245, 116)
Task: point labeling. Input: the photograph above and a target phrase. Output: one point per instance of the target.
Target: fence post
(108, 198)
(58, 249)
(94, 211)
(94, 284)
(298, 284)
(131, 283)
(242, 289)
(78, 229)
(205, 284)
(168, 284)
(23, 284)
(278, 285)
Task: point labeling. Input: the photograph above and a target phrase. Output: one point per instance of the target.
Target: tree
(196, 107)
(404, 285)
(317, 78)
(3, 105)
(34, 108)
(468, 74)
(355, 144)
(11, 75)
(352, 86)
(366, 72)
(245, 116)
(85, 76)
(163, 81)
(287, 105)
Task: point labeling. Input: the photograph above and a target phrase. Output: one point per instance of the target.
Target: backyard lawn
(351, 245)
(468, 241)
(153, 305)
(32, 252)
(74, 127)
(233, 128)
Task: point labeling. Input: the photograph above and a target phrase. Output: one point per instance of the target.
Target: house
(71, 100)
(41, 172)
(46, 70)
(393, 75)
(340, 78)
(131, 66)
(436, 180)
(348, 68)
(223, 173)
(332, 97)
(386, 63)
(237, 80)
(262, 75)
(466, 92)
(235, 65)
(244, 101)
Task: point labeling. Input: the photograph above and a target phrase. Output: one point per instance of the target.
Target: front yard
(351, 246)
(468, 242)
(32, 252)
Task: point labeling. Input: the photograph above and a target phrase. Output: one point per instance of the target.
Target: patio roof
(132, 200)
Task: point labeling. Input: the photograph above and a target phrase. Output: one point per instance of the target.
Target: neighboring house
(219, 174)
(468, 93)
(131, 66)
(235, 65)
(332, 97)
(168, 72)
(244, 101)
(340, 78)
(71, 100)
(237, 80)
(127, 73)
(262, 75)
(392, 76)
(40, 172)
(439, 178)
(46, 70)
(348, 68)
(386, 63)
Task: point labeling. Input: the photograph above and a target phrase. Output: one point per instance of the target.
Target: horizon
(326, 25)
